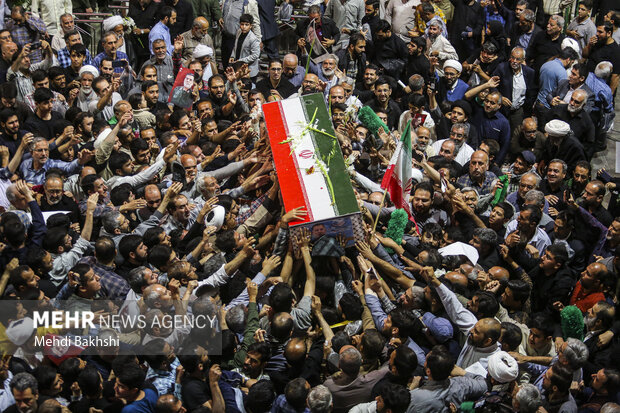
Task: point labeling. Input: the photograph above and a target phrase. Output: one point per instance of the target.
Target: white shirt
(462, 157)
(50, 12)
(401, 16)
(518, 90)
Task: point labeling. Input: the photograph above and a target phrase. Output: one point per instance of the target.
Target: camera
(35, 45)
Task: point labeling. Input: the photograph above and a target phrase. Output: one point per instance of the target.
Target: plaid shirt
(100, 209)
(165, 381)
(485, 188)
(247, 213)
(26, 33)
(64, 58)
(119, 56)
(113, 286)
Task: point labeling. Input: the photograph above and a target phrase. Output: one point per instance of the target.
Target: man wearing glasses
(275, 82)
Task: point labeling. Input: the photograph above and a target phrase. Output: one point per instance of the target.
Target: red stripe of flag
(293, 193)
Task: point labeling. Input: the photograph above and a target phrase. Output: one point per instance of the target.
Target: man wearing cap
(562, 144)
(450, 87)
(517, 83)
(87, 95)
(204, 54)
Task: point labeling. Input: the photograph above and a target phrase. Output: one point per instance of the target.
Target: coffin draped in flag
(310, 166)
(397, 180)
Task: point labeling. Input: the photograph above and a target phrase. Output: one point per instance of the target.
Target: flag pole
(374, 227)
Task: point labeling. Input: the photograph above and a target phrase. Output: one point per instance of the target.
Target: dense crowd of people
(138, 179)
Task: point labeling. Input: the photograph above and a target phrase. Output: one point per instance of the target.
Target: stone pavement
(607, 158)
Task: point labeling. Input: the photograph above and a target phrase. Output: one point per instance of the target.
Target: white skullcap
(19, 331)
(216, 217)
(89, 69)
(572, 43)
(503, 367)
(453, 64)
(557, 127)
(111, 22)
(201, 51)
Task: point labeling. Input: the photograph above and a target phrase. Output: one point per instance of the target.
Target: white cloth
(50, 11)
(401, 15)
(462, 157)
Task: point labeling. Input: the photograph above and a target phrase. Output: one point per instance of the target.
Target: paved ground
(607, 159)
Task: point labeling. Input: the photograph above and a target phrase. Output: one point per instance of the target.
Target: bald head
(499, 274)
(295, 350)
(200, 24)
(456, 278)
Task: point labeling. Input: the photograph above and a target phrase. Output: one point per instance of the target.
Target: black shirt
(417, 65)
(185, 17)
(542, 48)
(608, 52)
(393, 111)
(65, 204)
(11, 143)
(40, 127)
(284, 88)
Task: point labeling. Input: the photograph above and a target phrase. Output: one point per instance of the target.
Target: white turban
(19, 331)
(453, 64)
(572, 43)
(557, 127)
(88, 69)
(503, 367)
(111, 22)
(202, 50)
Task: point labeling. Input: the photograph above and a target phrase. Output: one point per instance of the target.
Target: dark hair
(45, 376)
(535, 213)
(383, 26)
(404, 321)
(260, 397)
(176, 117)
(542, 322)
(128, 244)
(132, 376)
(134, 100)
(281, 298)
(246, 18)
(8, 90)
(120, 194)
(559, 252)
(351, 306)
(54, 237)
(561, 378)
(569, 53)
(138, 145)
(39, 75)
(488, 306)
(159, 255)
(440, 363)
(34, 258)
(296, 393)
(225, 241)
(42, 95)
(281, 326)
(382, 81)
(420, 43)
(117, 160)
(147, 84)
(70, 33)
(405, 361)
(581, 68)
(511, 334)
(396, 397)
(151, 236)
(78, 48)
(89, 381)
(520, 290)
(165, 11)
(508, 209)
(424, 186)
(6, 114)
(15, 276)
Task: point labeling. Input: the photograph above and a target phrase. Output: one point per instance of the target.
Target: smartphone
(431, 84)
(119, 63)
(35, 45)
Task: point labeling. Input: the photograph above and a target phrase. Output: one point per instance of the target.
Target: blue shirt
(146, 405)
(160, 31)
(603, 98)
(496, 127)
(300, 72)
(119, 56)
(550, 75)
(38, 177)
(64, 58)
(458, 92)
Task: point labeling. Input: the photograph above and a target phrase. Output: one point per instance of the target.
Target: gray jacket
(436, 396)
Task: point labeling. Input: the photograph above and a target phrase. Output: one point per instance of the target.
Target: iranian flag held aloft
(308, 160)
(397, 180)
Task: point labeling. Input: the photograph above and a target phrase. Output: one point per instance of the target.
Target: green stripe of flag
(345, 201)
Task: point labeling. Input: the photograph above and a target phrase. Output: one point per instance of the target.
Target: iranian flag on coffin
(308, 160)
